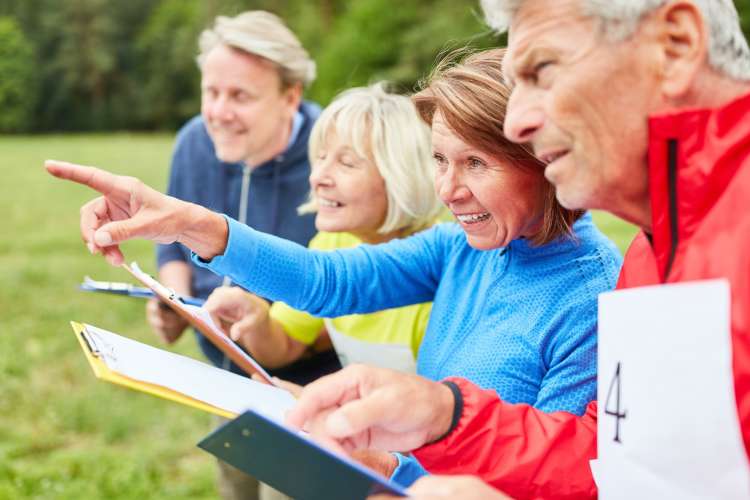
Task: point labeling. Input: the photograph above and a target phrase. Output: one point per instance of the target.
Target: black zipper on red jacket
(672, 198)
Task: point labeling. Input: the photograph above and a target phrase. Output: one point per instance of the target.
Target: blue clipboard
(293, 464)
(129, 290)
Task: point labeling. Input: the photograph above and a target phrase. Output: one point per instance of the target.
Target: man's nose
(523, 118)
(222, 108)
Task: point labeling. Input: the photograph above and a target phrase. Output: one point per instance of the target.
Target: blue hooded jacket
(277, 188)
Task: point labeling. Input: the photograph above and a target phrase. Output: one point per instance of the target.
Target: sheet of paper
(193, 378)
(667, 422)
(202, 314)
(626, 480)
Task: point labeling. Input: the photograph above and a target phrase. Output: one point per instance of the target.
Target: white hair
(262, 34)
(728, 51)
(386, 129)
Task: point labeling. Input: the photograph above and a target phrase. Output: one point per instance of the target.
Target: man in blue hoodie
(245, 156)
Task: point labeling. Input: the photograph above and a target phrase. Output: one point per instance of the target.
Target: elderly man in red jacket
(641, 108)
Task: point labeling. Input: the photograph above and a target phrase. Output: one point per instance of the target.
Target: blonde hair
(470, 94)
(386, 129)
(262, 34)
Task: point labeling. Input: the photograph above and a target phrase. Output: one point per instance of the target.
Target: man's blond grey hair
(384, 128)
(728, 51)
(262, 34)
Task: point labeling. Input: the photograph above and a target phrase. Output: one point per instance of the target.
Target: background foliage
(16, 86)
(114, 65)
(85, 65)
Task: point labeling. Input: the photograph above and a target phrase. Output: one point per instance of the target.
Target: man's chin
(568, 193)
(229, 156)
(572, 199)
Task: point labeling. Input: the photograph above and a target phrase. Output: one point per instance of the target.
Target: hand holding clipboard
(199, 319)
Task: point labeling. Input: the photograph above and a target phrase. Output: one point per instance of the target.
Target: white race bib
(667, 418)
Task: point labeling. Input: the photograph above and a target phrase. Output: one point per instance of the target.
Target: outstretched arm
(129, 209)
(326, 284)
(334, 283)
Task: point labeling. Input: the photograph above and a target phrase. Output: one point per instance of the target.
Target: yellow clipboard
(103, 372)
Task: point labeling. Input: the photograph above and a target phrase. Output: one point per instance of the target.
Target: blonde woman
(361, 192)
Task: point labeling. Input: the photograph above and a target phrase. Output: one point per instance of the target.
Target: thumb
(360, 415)
(242, 327)
(114, 233)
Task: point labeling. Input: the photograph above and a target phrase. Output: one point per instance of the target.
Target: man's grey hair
(728, 51)
(262, 34)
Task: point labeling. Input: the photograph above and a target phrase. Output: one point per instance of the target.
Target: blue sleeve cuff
(407, 471)
(239, 253)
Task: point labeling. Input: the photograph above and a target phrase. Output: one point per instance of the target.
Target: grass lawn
(63, 433)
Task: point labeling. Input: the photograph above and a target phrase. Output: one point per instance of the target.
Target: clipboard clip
(100, 352)
(168, 292)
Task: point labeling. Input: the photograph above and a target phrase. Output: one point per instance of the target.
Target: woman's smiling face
(494, 200)
(349, 191)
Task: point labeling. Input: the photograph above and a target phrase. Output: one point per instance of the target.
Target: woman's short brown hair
(470, 94)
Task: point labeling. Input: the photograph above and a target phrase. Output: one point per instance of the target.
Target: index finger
(325, 393)
(95, 178)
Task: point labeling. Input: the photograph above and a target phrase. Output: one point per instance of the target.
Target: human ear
(683, 37)
(293, 96)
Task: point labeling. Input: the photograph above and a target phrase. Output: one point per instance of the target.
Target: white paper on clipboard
(188, 377)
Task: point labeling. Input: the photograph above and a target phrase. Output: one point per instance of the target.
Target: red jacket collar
(693, 155)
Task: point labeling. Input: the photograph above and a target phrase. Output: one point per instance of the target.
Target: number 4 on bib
(617, 412)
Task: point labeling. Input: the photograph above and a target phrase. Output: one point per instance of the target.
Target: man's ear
(682, 34)
(293, 95)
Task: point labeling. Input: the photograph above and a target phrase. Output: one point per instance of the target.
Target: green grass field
(63, 433)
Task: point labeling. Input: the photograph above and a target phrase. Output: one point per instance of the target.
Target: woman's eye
(347, 162)
(476, 163)
(439, 159)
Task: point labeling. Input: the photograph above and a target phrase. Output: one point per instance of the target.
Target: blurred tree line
(130, 64)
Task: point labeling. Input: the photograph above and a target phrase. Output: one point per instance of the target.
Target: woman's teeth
(328, 203)
(473, 218)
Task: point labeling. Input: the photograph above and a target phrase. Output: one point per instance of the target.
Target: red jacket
(699, 182)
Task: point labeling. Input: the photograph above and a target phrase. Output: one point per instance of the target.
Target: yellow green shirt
(388, 338)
